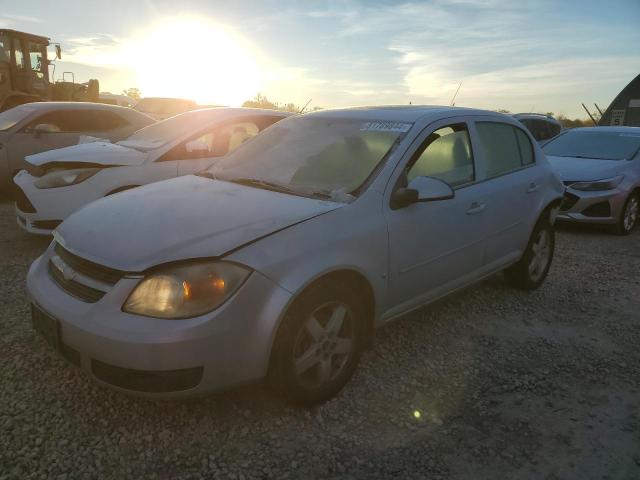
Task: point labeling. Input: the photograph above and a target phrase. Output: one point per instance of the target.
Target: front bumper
(600, 207)
(227, 347)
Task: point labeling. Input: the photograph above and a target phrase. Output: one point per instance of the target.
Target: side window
(105, 120)
(36, 59)
(78, 121)
(19, 54)
(216, 142)
(445, 154)
(5, 51)
(503, 147)
(238, 133)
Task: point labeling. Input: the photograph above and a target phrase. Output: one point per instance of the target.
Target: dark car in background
(542, 127)
(163, 108)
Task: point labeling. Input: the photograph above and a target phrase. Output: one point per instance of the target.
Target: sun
(197, 59)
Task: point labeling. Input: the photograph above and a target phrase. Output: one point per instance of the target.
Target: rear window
(594, 143)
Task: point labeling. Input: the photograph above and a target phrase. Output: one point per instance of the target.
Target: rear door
(513, 185)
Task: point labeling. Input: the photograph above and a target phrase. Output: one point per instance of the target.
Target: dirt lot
(507, 384)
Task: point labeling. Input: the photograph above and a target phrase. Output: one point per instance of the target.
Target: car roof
(402, 113)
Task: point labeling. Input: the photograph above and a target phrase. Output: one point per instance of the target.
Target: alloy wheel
(324, 345)
(541, 249)
(631, 213)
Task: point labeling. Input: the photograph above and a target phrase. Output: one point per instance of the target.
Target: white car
(68, 178)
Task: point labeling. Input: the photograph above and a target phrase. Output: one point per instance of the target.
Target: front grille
(22, 202)
(568, 201)
(89, 269)
(600, 209)
(46, 224)
(76, 289)
(147, 380)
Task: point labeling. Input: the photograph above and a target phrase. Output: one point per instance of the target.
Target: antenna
(595, 124)
(305, 106)
(453, 100)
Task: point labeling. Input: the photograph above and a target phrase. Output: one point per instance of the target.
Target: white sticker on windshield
(400, 127)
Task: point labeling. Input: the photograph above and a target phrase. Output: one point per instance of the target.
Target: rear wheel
(629, 216)
(533, 267)
(318, 345)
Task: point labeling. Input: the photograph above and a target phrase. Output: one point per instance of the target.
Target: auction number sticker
(401, 127)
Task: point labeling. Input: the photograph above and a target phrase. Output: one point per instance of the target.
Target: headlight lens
(605, 184)
(64, 178)
(186, 291)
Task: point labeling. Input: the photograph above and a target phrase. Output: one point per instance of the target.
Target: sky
(542, 56)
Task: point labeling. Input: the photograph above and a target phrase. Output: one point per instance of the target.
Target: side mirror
(58, 52)
(44, 128)
(422, 189)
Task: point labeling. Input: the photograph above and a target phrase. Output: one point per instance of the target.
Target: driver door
(437, 246)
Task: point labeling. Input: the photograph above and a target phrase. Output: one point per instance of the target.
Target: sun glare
(196, 59)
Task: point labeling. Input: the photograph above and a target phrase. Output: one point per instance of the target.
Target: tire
(537, 257)
(313, 360)
(629, 216)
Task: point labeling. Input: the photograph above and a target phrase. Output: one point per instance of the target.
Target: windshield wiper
(583, 156)
(275, 187)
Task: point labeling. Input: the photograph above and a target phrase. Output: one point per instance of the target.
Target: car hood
(585, 169)
(182, 218)
(95, 153)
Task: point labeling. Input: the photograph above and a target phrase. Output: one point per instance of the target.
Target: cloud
(11, 21)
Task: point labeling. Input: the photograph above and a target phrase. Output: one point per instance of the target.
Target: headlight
(64, 178)
(606, 184)
(186, 291)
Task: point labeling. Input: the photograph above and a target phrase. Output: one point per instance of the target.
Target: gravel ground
(507, 385)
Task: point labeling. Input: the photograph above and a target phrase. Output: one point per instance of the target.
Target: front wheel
(629, 215)
(533, 267)
(318, 345)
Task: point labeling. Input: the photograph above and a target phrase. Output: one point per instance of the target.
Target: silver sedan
(601, 169)
(281, 259)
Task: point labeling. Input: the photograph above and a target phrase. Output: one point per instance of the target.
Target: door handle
(475, 208)
(533, 186)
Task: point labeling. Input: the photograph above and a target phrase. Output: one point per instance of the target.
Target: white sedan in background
(66, 179)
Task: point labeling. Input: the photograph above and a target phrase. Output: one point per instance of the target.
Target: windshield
(161, 133)
(599, 145)
(9, 118)
(311, 156)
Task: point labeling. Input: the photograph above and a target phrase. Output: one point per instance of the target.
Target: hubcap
(324, 345)
(631, 213)
(541, 249)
